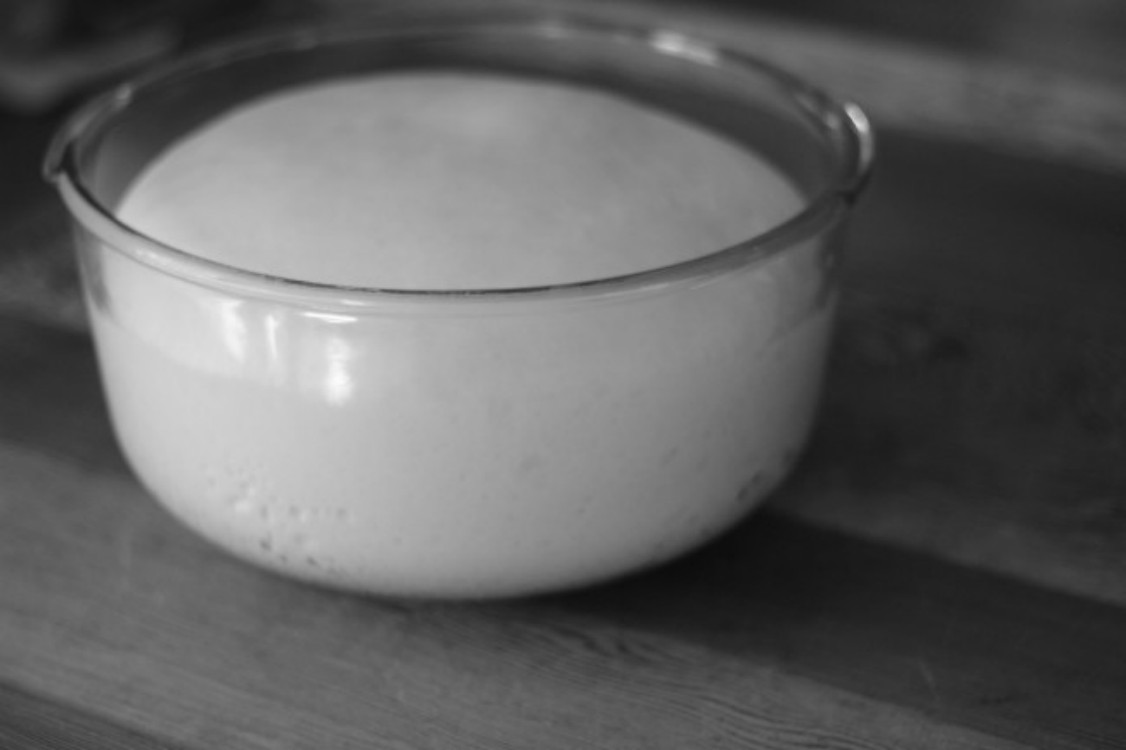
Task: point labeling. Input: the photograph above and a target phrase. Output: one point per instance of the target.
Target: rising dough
(453, 181)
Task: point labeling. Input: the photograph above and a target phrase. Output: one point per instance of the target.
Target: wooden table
(947, 568)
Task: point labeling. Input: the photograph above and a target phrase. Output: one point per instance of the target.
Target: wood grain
(32, 722)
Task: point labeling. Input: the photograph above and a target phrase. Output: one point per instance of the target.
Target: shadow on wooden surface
(965, 646)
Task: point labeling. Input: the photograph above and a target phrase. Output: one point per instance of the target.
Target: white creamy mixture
(460, 452)
(444, 181)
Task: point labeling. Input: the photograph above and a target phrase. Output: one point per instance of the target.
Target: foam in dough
(453, 181)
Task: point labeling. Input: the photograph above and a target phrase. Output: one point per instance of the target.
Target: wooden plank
(976, 404)
(993, 441)
(30, 722)
(106, 604)
(956, 643)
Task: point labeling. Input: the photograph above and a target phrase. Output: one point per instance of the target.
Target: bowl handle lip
(60, 150)
(864, 137)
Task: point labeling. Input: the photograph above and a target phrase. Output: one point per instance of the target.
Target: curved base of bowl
(454, 583)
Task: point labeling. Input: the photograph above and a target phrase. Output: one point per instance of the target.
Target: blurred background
(50, 47)
(1039, 80)
(1033, 81)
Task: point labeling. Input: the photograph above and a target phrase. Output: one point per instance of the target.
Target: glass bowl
(465, 443)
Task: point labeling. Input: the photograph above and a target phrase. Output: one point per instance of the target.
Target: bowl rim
(855, 158)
